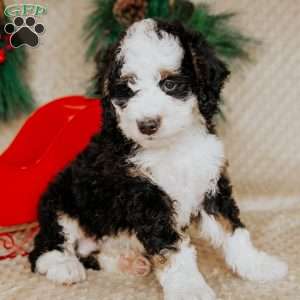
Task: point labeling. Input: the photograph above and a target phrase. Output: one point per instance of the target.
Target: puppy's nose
(149, 126)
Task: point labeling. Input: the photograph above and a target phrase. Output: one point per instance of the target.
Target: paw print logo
(24, 31)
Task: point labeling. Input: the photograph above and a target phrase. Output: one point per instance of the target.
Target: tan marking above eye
(105, 88)
(130, 78)
(166, 73)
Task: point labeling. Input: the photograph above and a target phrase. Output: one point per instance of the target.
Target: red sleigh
(50, 138)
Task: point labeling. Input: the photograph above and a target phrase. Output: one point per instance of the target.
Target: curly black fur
(97, 190)
(90, 262)
(222, 203)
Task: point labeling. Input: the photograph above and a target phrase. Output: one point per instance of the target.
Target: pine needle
(15, 95)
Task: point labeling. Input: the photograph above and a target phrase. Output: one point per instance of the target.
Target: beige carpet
(274, 229)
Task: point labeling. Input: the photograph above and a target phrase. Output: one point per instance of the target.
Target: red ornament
(2, 56)
(8, 45)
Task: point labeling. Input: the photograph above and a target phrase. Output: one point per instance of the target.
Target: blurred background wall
(262, 105)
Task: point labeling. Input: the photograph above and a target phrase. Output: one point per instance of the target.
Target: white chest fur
(185, 170)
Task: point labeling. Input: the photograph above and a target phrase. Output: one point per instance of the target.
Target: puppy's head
(161, 81)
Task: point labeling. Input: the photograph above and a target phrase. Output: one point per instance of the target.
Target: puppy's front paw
(60, 268)
(262, 267)
(67, 272)
(201, 292)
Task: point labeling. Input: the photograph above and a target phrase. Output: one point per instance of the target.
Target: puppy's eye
(121, 102)
(121, 92)
(176, 86)
(169, 85)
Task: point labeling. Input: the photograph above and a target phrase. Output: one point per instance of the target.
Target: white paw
(191, 293)
(61, 268)
(68, 272)
(262, 267)
(250, 263)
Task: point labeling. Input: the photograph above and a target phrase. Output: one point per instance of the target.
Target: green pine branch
(227, 40)
(102, 29)
(15, 95)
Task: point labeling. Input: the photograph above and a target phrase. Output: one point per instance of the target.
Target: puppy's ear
(108, 68)
(105, 60)
(210, 73)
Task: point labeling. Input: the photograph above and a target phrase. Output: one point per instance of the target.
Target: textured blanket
(275, 228)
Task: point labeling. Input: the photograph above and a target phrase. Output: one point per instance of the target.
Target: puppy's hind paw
(250, 263)
(134, 264)
(263, 267)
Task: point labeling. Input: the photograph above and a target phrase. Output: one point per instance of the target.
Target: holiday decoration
(15, 96)
(129, 11)
(110, 17)
(40, 150)
(16, 240)
(2, 56)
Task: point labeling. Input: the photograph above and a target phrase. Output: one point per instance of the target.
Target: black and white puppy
(156, 168)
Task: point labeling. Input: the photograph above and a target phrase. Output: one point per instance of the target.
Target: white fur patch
(86, 246)
(212, 230)
(74, 235)
(181, 279)
(144, 53)
(71, 230)
(61, 267)
(250, 263)
(185, 169)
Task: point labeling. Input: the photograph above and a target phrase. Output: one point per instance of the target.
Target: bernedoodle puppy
(127, 202)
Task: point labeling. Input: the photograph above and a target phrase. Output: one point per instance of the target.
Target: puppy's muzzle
(149, 126)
